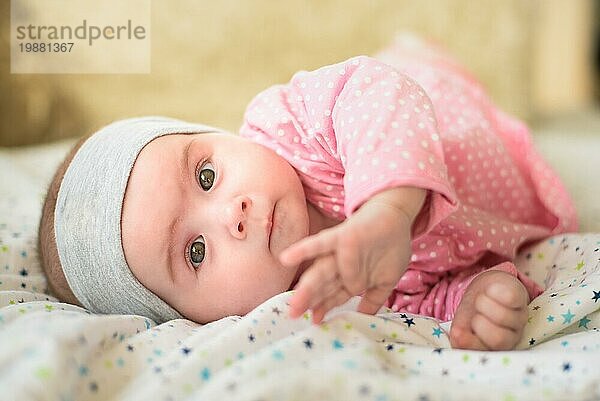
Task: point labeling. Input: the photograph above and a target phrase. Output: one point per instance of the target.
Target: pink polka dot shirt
(359, 127)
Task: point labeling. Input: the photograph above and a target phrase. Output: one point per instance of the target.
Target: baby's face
(204, 219)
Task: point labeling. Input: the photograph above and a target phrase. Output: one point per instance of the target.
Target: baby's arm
(367, 253)
(354, 130)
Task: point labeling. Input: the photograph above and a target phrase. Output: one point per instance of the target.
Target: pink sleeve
(387, 137)
(372, 125)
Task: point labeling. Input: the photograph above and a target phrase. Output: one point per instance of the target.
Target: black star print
(438, 350)
(409, 321)
(23, 285)
(129, 348)
(566, 367)
(21, 300)
(251, 338)
(553, 295)
(308, 343)
(536, 307)
(528, 256)
(24, 272)
(94, 386)
(390, 347)
(364, 390)
(444, 372)
(423, 398)
(276, 310)
(530, 370)
(531, 341)
(596, 296)
(403, 316)
(483, 360)
(186, 350)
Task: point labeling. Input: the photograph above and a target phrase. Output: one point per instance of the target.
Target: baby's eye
(197, 251)
(206, 176)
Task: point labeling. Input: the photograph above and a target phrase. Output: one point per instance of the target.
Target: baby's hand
(367, 253)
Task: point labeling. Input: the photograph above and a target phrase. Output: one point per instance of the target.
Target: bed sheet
(56, 351)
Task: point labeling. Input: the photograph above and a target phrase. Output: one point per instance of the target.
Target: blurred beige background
(209, 58)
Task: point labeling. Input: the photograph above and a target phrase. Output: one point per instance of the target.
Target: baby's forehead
(186, 137)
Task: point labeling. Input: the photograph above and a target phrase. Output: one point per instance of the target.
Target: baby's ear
(47, 250)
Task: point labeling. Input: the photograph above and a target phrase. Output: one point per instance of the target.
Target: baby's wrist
(410, 200)
(407, 200)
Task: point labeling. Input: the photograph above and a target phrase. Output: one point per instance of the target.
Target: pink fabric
(359, 127)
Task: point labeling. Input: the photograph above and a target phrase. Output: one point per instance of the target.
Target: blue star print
(437, 332)
(583, 322)
(568, 316)
(205, 374)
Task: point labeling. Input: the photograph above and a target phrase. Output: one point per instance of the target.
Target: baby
(393, 178)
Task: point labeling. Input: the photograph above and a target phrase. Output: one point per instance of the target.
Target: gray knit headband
(87, 218)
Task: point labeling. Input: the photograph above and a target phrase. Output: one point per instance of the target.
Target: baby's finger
(308, 248)
(328, 280)
(500, 314)
(373, 299)
(347, 257)
(338, 298)
(329, 290)
(318, 314)
(311, 285)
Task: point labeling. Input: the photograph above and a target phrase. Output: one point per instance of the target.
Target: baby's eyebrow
(173, 227)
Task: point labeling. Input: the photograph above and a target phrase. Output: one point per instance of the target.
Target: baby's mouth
(270, 225)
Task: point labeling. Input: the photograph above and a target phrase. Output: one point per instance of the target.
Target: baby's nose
(235, 213)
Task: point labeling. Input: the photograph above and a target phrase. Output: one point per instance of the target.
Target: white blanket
(55, 351)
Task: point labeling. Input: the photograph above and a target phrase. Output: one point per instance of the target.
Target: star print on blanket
(64, 352)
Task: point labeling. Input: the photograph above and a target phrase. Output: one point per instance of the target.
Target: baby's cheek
(258, 291)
